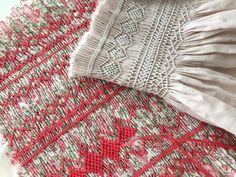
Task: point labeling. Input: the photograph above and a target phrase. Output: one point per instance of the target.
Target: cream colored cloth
(181, 50)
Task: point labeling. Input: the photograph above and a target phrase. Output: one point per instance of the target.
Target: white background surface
(5, 7)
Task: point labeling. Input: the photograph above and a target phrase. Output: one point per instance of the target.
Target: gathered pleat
(204, 81)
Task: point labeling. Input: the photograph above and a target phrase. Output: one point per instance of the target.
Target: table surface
(5, 7)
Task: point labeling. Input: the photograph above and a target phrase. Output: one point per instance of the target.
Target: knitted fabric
(56, 127)
(181, 50)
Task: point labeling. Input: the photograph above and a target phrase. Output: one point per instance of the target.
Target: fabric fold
(182, 50)
(204, 80)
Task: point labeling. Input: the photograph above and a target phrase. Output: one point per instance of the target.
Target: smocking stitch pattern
(117, 51)
(110, 68)
(158, 55)
(154, 62)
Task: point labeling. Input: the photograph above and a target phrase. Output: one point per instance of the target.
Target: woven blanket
(59, 127)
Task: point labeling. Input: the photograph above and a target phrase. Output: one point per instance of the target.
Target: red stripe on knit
(37, 64)
(153, 161)
(81, 117)
(83, 25)
(161, 137)
(213, 143)
(197, 164)
(44, 133)
(168, 150)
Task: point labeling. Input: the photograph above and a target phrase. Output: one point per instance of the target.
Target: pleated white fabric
(181, 50)
(205, 77)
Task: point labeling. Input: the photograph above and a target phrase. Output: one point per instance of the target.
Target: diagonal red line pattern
(197, 164)
(50, 129)
(81, 117)
(58, 40)
(175, 144)
(37, 64)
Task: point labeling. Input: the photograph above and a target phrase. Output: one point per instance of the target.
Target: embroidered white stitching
(123, 40)
(158, 60)
(107, 30)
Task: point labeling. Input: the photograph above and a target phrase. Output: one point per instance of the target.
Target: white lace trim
(157, 57)
(117, 50)
(154, 46)
(121, 56)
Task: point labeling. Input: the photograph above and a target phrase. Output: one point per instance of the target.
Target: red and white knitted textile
(56, 127)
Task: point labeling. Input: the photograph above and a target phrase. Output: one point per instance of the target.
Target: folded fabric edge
(82, 60)
(203, 107)
(83, 57)
(187, 91)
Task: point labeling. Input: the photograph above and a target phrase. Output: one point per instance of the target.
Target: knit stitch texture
(60, 127)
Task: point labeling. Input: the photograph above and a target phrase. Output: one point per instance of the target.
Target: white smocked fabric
(182, 50)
